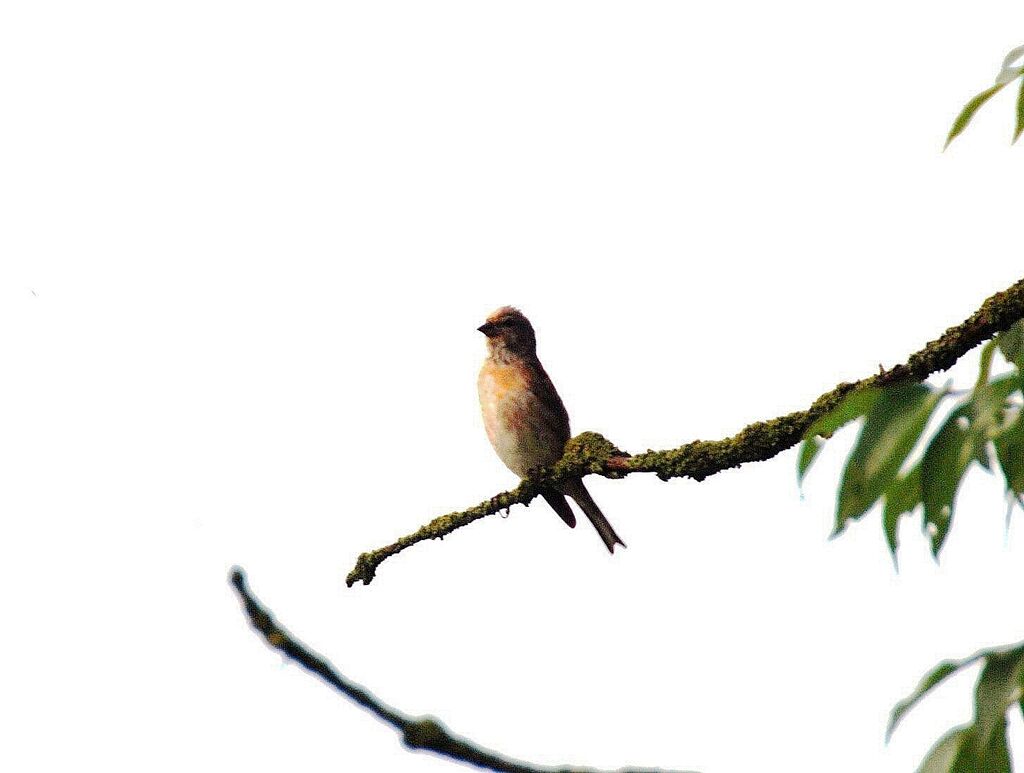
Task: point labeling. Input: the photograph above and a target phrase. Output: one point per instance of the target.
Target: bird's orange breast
(502, 379)
(501, 386)
(523, 426)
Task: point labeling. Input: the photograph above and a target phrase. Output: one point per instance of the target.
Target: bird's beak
(488, 329)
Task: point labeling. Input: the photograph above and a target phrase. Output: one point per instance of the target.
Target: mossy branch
(425, 733)
(591, 454)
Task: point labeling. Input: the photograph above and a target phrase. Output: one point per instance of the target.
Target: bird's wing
(550, 413)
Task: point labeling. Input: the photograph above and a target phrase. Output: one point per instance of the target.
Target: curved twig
(591, 454)
(417, 732)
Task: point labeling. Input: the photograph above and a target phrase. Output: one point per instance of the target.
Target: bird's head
(508, 330)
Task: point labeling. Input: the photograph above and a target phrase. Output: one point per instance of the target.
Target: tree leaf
(961, 751)
(979, 449)
(1010, 68)
(999, 687)
(944, 754)
(1010, 453)
(893, 425)
(945, 669)
(1020, 113)
(984, 746)
(985, 366)
(989, 402)
(902, 496)
(853, 406)
(988, 411)
(1011, 344)
(993, 757)
(968, 112)
(942, 467)
(980, 747)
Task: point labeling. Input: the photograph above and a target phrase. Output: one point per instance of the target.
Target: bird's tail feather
(560, 505)
(582, 497)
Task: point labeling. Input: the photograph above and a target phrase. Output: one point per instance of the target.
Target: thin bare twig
(425, 733)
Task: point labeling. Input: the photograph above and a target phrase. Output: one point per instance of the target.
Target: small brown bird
(524, 416)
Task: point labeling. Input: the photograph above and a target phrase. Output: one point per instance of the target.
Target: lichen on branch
(592, 454)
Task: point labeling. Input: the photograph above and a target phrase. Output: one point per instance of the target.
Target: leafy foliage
(892, 462)
(853, 406)
(1010, 71)
(944, 463)
(981, 746)
(891, 430)
(984, 419)
(968, 111)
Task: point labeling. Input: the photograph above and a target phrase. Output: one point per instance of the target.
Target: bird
(525, 418)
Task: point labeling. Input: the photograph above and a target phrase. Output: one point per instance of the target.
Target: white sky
(245, 247)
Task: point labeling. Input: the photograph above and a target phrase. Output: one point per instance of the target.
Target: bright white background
(244, 250)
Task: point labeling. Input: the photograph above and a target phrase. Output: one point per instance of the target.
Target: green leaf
(1011, 344)
(893, 425)
(961, 751)
(979, 452)
(985, 367)
(980, 747)
(1020, 113)
(902, 496)
(988, 411)
(942, 467)
(989, 402)
(943, 755)
(968, 112)
(993, 757)
(945, 669)
(983, 746)
(1010, 69)
(853, 406)
(1010, 453)
(808, 451)
(963, 438)
(999, 687)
